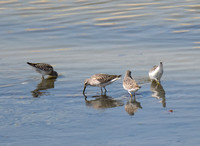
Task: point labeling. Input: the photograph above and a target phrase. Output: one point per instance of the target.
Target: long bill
(84, 89)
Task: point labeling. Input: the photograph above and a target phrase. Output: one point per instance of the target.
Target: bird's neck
(161, 66)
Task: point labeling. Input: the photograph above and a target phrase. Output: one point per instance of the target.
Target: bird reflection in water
(132, 106)
(42, 87)
(103, 102)
(158, 92)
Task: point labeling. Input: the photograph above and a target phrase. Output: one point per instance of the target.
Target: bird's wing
(154, 68)
(130, 83)
(43, 66)
(104, 78)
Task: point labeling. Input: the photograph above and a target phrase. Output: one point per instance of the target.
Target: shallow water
(81, 38)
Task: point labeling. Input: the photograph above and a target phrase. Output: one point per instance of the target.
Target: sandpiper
(100, 80)
(130, 84)
(44, 69)
(156, 73)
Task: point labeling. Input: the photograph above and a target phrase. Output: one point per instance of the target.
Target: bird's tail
(31, 64)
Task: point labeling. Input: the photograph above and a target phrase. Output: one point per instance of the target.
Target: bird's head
(54, 74)
(85, 85)
(128, 73)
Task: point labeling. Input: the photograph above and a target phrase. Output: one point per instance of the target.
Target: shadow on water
(132, 106)
(103, 102)
(42, 87)
(158, 92)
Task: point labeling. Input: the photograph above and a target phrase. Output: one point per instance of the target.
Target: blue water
(81, 38)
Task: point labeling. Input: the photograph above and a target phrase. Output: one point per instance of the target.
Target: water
(81, 38)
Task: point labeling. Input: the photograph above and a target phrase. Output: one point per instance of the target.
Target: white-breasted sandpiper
(100, 80)
(156, 73)
(130, 84)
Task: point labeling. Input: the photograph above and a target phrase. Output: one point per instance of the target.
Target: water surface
(81, 38)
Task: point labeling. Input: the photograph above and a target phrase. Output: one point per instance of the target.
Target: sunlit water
(81, 38)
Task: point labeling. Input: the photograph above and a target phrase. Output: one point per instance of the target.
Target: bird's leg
(85, 97)
(101, 90)
(42, 77)
(134, 98)
(105, 89)
(157, 82)
(131, 94)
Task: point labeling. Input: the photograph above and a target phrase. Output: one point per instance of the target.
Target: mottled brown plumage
(129, 83)
(100, 80)
(104, 78)
(41, 66)
(44, 69)
(153, 68)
